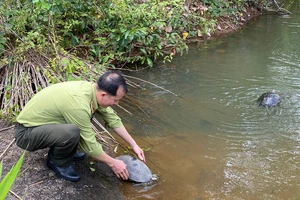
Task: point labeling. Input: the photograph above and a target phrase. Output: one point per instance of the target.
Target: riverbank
(229, 24)
(36, 181)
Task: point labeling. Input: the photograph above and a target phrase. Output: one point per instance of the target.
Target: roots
(19, 81)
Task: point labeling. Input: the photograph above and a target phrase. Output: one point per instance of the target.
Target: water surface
(213, 142)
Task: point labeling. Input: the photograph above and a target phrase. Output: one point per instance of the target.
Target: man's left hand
(139, 152)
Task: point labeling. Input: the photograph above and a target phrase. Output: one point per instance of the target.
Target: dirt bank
(36, 181)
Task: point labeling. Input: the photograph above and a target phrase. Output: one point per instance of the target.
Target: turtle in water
(138, 171)
(269, 99)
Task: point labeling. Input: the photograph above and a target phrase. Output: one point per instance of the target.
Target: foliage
(48, 41)
(10, 177)
(110, 30)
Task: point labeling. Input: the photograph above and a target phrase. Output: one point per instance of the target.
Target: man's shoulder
(72, 84)
(66, 92)
(75, 87)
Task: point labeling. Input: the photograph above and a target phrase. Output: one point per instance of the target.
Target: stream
(208, 139)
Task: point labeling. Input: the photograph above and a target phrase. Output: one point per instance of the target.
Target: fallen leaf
(186, 8)
(168, 29)
(204, 8)
(184, 35)
(199, 33)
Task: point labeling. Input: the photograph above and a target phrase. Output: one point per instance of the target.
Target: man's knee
(71, 133)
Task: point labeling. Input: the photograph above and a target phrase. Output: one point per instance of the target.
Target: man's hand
(139, 152)
(121, 131)
(119, 168)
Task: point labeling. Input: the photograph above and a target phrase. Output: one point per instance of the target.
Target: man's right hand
(119, 168)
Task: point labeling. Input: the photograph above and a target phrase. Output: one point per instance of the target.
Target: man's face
(105, 100)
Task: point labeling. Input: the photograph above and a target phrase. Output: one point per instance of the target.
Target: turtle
(138, 171)
(269, 99)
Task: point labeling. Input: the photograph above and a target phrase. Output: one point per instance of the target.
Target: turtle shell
(138, 171)
(269, 99)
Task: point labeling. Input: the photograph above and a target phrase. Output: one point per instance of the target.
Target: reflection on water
(177, 158)
(213, 142)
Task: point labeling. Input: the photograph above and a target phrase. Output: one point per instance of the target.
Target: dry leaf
(186, 8)
(168, 29)
(199, 33)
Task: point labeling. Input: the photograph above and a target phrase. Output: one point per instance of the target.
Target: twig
(22, 172)
(7, 148)
(281, 9)
(276, 4)
(36, 183)
(4, 129)
(124, 109)
(152, 84)
(14, 33)
(133, 70)
(130, 99)
(53, 41)
(101, 126)
(15, 194)
(228, 24)
(194, 102)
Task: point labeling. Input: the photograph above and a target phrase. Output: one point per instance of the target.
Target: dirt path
(36, 181)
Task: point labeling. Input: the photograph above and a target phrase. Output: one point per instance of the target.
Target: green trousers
(62, 139)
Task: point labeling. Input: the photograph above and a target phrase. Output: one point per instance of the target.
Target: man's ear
(102, 93)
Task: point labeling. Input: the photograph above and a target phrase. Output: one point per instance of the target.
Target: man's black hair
(111, 81)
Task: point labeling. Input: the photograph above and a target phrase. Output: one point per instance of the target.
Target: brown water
(216, 143)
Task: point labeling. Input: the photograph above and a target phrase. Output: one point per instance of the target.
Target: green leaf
(126, 34)
(149, 62)
(65, 61)
(74, 40)
(2, 40)
(146, 149)
(144, 51)
(10, 177)
(1, 48)
(92, 169)
(105, 59)
(45, 6)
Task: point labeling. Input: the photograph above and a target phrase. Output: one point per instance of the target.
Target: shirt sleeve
(111, 119)
(88, 142)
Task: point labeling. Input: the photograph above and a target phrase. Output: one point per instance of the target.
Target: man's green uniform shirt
(69, 103)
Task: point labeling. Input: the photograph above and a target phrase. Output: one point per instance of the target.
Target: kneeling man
(59, 118)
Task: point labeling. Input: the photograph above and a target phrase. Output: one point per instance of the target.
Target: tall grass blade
(10, 177)
(0, 170)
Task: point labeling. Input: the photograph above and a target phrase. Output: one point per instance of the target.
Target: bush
(48, 41)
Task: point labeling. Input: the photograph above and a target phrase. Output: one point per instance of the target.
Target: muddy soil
(36, 181)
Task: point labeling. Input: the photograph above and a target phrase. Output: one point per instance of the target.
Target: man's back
(49, 105)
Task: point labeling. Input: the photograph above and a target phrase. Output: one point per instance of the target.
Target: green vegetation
(10, 177)
(49, 41)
